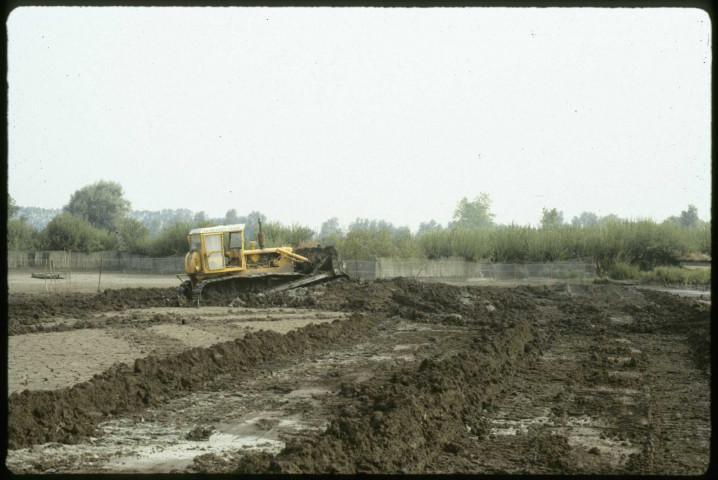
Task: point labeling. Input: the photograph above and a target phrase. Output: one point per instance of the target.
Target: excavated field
(389, 376)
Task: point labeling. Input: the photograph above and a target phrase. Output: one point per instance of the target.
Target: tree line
(98, 217)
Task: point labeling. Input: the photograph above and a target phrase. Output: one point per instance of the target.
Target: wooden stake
(100, 277)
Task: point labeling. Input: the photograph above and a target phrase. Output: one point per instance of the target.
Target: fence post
(100, 277)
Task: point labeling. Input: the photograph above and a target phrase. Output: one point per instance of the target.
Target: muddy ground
(393, 376)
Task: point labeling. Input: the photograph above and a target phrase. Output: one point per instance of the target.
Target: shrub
(67, 232)
(678, 276)
(172, 240)
(21, 235)
(277, 234)
(625, 271)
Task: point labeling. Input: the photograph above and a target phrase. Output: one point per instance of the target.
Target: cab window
(235, 240)
(212, 243)
(194, 242)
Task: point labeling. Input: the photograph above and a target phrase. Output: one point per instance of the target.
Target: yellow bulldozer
(218, 262)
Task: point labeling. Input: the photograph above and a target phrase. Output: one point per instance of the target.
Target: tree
(430, 226)
(689, 218)
(200, 217)
(12, 207)
(551, 218)
(66, 231)
(610, 218)
(133, 235)
(330, 230)
(231, 218)
(371, 225)
(586, 219)
(474, 215)
(102, 204)
(172, 240)
(20, 235)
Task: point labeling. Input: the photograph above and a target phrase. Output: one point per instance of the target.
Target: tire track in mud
(576, 409)
(71, 415)
(611, 402)
(680, 407)
(399, 425)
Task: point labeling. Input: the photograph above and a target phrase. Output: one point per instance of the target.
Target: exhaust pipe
(260, 236)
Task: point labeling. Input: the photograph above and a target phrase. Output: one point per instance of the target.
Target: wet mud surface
(389, 376)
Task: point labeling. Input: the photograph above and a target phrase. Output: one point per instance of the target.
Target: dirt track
(384, 376)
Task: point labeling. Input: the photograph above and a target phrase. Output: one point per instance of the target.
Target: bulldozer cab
(215, 249)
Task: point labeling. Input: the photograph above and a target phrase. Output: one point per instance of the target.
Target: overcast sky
(394, 114)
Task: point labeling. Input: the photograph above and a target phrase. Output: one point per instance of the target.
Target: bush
(21, 235)
(648, 244)
(625, 271)
(172, 240)
(678, 276)
(67, 232)
(277, 235)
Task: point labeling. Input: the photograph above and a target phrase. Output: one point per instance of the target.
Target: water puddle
(164, 458)
(387, 358)
(622, 320)
(308, 392)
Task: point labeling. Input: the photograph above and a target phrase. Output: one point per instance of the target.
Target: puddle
(617, 359)
(622, 373)
(552, 356)
(179, 456)
(308, 392)
(405, 347)
(387, 358)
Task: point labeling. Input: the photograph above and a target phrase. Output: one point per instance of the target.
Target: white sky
(394, 114)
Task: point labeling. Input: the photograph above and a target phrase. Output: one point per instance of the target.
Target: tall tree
(12, 207)
(586, 219)
(689, 218)
(231, 217)
(133, 235)
(430, 226)
(473, 215)
(102, 204)
(329, 230)
(551, 218)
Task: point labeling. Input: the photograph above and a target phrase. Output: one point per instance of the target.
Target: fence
(578, 269)
(112, 261)
(456, 269)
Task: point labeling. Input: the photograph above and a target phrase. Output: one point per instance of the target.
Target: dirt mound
(398, 427)
(70, 415)
(22, 326)
(405, 297)
(28, 307)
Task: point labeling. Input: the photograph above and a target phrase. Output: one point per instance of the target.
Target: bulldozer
(218, 263)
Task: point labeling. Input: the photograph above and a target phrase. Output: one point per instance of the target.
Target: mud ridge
(80, 305)
(400, 426)
(71, 415)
